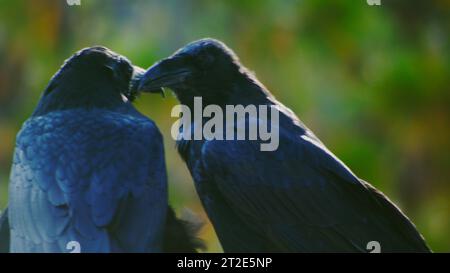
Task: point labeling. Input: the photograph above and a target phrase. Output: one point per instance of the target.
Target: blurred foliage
(372, 82)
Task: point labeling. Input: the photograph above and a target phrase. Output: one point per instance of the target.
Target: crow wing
(92, 176)
(300, 197)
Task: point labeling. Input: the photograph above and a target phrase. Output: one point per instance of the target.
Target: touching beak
(138, 74)
(166, 73)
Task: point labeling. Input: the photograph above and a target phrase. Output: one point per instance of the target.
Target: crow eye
(128, 69)
(120, 70)
(123, 70)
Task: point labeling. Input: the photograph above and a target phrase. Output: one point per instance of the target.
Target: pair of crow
(89, 168)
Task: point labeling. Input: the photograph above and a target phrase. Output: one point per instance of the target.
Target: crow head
(92, 77)
(205, 68)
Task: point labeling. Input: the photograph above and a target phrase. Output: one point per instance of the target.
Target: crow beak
(166, 73)
(138, 74)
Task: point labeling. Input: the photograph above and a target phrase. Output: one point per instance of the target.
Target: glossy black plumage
(88, 167)
(298, 198)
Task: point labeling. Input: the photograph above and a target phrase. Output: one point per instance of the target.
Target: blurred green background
(372, 82)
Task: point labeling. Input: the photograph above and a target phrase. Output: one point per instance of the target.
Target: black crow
(297, 198)
(88, 172)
